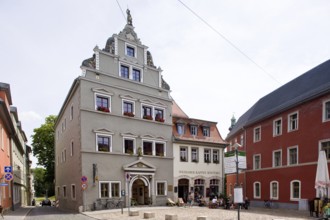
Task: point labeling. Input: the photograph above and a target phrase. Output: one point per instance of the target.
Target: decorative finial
(129, 17)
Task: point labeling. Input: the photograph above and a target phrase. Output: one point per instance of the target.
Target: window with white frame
(124, 71)
(293, 121)
(277, 158)
(193, 130)
(277, 127)
(129, 145)
(147, 112)
(194, 154)
(160, 149)
(103, 142)
(147, 147)
(159, 115)
(183, 154)
(326, 111)
(102, 103)
(325, 145)
(109, 189)
(206, 131)
(136, 75)
(274, 190)
(295, 187)
(293, 155)
(128, 108)
(130, 50)
(207, 155)
(256, 190)
(215, 156)
(256, 161)
(161, 188)
(257, 134)
(73, 192)
(242, 139)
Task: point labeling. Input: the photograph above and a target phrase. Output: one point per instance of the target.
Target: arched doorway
(140, 192)
(183, 189)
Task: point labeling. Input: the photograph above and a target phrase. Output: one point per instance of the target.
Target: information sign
(8, 169)
(230, 161)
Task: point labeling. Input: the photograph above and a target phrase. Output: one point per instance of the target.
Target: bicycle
(112, 204)
(267, 203)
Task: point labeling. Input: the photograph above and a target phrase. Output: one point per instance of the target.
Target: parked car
(46, 202)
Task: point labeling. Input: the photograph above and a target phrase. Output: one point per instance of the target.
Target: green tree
(39, 181)
(43, 141)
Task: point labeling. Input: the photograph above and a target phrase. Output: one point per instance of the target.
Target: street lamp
(236, 146)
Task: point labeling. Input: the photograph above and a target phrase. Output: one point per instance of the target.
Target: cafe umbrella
(322, 181)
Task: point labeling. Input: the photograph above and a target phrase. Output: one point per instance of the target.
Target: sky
(218, 56)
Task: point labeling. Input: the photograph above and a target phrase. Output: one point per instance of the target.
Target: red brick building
(282, 135)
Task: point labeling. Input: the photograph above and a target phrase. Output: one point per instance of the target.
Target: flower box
(159, 119)
(129, 114)
(103, 109)
(148, 117)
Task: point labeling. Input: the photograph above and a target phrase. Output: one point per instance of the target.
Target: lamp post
(236, 145)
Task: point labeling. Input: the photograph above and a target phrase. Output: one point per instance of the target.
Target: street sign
(84, 179)
(84, 186)
(3, 184)
(8, 169)
(230, 161)
(9, 177)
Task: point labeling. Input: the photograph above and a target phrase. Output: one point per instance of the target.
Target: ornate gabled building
(198, 150)
(282, 135)
(114, 131)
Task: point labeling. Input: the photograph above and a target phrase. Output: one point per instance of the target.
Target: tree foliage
(43, 143)
(39, 181)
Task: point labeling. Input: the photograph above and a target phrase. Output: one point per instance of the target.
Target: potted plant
(103, 109)
(148, 117)
(130, 114)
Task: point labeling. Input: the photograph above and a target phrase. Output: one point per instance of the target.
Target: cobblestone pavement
(192, 213)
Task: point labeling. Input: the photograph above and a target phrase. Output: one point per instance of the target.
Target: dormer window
(206, 131)
(180, 128)
(193, 130)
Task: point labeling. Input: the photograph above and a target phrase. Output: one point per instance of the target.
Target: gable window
(293, 122)
(161, 188)
(292, 155)
(136, 75)
(183, 154)
(147, 148)
(194, 155)
(274, 190)
(124, 71)
(147, 112)
(128, 108)
(193, 130)
(215, 156)
(295, 190)
(277, 158)
(102, 103)
(256, 190)
(129, 146)
(103, 143)
(326, 111)
(256, 162)
(207, 155)
(325, 145)
(159, 115)
(206, 131)
(277, 127)
(180, 128)
(130, 51)
(257, 134)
